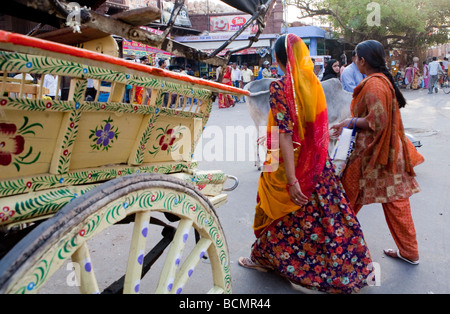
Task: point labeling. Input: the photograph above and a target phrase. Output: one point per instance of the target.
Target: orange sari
(380, 170)
(307, 109)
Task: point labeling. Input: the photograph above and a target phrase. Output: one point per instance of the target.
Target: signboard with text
(132, 48)
(231, 23)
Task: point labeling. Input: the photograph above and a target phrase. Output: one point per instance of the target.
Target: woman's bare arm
(287, 151)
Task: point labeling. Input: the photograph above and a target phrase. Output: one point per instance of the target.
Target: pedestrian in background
(331, 70)
(434, 69)
(236, 78)
(51, 83)
(351, 76)
(247, 76)
(380, 170)
(189, 70)
(162, 64)
(225, 100)
(408, 76)
(425, 75)
(266, 73)
(445, 64)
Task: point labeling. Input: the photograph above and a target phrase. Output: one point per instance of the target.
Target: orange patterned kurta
(380, 170)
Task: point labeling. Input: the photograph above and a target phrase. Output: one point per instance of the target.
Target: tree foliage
(406, 24)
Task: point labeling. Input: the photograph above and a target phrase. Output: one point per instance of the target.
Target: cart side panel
(171, 139)
(27, 141)
(81, 133)
(104, 138)
(141, 119)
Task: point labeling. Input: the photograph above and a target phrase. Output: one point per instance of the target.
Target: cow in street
(338, 106)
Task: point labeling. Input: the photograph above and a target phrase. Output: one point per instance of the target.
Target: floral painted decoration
(12, 144)
(166, 139)
(103, 137)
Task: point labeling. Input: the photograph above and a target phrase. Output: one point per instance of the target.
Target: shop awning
(208, 45)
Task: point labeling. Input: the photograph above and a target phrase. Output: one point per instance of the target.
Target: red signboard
(230, 23)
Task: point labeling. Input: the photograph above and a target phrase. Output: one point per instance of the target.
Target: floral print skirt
(321, 245)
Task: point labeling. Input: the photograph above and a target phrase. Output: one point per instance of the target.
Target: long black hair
(373, 52)
(280, 49)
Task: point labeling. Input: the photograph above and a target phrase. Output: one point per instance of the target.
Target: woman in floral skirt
(305, 228)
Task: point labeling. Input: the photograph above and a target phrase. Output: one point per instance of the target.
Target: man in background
(162, 64)
(434, 68)
(351, 76)
(247, 76)
(236, 78)
(266, 73)
(189, 70)
(51, 83)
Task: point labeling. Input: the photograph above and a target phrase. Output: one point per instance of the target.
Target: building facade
(217, 21)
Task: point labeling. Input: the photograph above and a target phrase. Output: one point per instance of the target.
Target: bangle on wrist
(291, 184)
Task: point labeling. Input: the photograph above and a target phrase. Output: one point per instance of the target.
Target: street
(226, 146)
(427, 118)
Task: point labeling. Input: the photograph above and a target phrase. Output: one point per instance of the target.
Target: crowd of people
(410, 77)
(240, 76)
(236, 76)
(348, 74)
(428, 77)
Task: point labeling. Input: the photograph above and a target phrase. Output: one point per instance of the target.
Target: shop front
(253, 56)
(135, 50)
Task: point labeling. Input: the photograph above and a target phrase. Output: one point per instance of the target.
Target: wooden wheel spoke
(86, 279)
(165, 284)
(188, 266)
(137, 252)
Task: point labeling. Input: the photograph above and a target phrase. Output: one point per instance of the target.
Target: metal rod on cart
(261, 10)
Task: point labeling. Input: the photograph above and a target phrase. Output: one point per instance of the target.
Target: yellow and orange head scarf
(306, 103)
(308, 109)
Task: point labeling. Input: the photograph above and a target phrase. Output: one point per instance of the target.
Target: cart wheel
(29, 265)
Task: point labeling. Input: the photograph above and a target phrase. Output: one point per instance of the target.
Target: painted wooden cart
(71, 168)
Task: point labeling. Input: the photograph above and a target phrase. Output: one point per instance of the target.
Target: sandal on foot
(248, 263)
(396, 254)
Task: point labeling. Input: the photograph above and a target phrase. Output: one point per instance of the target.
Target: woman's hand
(336, 129)
(361, 124)
(297, 196)
(293, 187)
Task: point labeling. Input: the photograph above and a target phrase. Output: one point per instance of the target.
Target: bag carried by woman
(344, 147)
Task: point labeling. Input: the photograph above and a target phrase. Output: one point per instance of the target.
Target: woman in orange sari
(305, 228)
(226, 101)
(380, 170)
